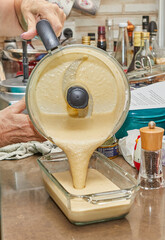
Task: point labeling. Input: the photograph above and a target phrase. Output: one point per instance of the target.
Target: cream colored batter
(78, 137)
(80, 209)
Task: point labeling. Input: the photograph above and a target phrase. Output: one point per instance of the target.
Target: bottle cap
(86, 40)
(108, 22)
(145, 23)
(92, 36)
(138, 28)
(145, 35)
(151, 137)
(123, 24)
(101, 29)
(153, 28)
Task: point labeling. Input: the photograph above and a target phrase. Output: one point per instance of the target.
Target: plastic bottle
(122, 49)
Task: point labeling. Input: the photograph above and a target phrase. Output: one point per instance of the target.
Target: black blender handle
(47, 35)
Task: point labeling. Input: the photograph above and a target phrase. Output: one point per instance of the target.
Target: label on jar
(110, 151)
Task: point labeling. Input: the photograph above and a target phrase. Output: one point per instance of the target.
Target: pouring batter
(78, 135)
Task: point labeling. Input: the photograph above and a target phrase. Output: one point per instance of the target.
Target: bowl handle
(47, 35)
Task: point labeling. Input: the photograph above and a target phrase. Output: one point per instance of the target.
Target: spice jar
(86, 40)
(151, 174)
(110, 148)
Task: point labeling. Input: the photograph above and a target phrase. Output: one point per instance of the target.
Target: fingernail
(23, 34)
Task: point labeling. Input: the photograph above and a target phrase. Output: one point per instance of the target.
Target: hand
(16, 127)
(34, 10)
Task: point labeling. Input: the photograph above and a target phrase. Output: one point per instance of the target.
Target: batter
(82, 209)
(78, 136)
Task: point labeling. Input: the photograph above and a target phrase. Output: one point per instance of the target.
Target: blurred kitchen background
(117, 10)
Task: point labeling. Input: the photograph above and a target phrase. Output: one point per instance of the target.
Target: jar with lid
(110, 148)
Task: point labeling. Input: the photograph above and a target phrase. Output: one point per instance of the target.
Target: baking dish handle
(47, 35)
(109, 197)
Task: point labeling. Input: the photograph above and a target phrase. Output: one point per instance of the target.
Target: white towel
(23, 150)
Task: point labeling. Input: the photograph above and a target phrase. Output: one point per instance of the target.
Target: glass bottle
(130, 29)
(109, 36)
(144, 57)
(153, 38)
(122, 48)
(137, 45)
(153, 45)
(101, 41)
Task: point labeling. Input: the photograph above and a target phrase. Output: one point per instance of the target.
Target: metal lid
(13, 85)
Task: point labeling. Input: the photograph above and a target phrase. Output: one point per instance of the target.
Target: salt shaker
(151, 174)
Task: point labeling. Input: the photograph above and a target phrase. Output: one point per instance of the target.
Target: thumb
(31, 32)
(18, 107)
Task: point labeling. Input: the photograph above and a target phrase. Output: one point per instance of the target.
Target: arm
(16, 127)
(9, 22)
(22, 15)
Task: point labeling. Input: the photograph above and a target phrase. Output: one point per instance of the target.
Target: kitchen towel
(23, 150)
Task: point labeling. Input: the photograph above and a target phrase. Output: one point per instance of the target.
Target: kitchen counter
(28, 213)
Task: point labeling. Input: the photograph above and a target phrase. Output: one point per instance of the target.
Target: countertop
(28, 213)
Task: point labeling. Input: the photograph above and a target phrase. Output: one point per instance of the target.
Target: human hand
(33, 10)
(16, 127)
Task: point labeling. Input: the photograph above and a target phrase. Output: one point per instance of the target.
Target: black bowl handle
(47, 35)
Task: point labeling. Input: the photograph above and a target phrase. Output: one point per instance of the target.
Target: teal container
(140, 118)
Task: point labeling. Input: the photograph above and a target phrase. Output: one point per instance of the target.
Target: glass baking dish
(99, 206)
